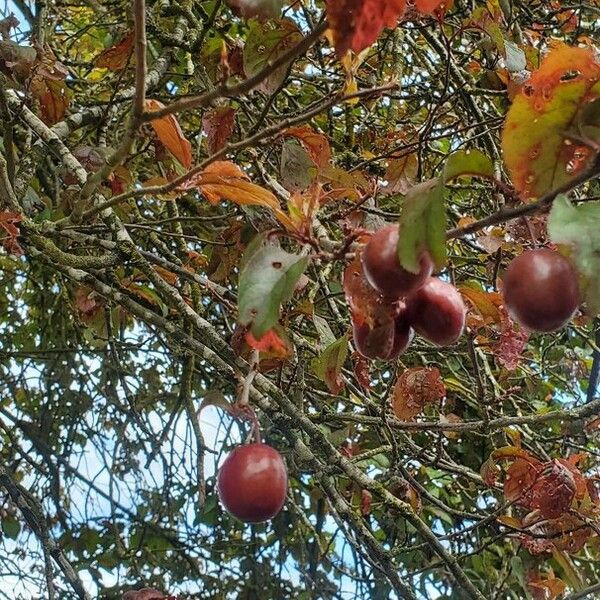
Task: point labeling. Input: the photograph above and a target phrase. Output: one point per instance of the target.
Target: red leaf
(416, 388)
(88, 304)
(218, 124)
(365, 502)
(170, 134)
(361, 370)
(356, 24)
(116, 57)
(431, 6)
(553, 490)
(7, 222)
(512, 342)
(366, 304)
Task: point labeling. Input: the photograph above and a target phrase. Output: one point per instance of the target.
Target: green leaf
(267, 280)
(588, 122)
(468, 163)
(423, 225)
(11, 527)
(328, 366)
(266, 42)
(578, 227)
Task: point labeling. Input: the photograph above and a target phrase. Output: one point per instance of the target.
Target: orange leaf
(356, 24)
(486, 303)
(537, 151)
(315, 143)
(224, 180)
(270, 342)
(116, 57)
(169, 133)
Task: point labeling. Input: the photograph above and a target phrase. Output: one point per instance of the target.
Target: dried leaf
(415, 389)
(8, 222)
(553, 490)
(117, 57)
(218, 125)
(401, 174)
(513, 340)
(170, 134)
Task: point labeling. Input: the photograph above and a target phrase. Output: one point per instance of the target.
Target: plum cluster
(388, 303)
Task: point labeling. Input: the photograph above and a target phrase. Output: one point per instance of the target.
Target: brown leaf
(218, 125)
(116, 57)
(170, 134)
(8, 222)
(415, 389)
(54, 99)
(401, 174)
(545, 589)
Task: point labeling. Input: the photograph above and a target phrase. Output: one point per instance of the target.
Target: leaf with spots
(415, 389)
(553, 490)
(266, 42)
(538, 150)
(268, 276)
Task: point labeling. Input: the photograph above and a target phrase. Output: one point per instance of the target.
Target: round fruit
(437, 312)
(382, 268)
(384, 342)
(541, 290)
(252, 483)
